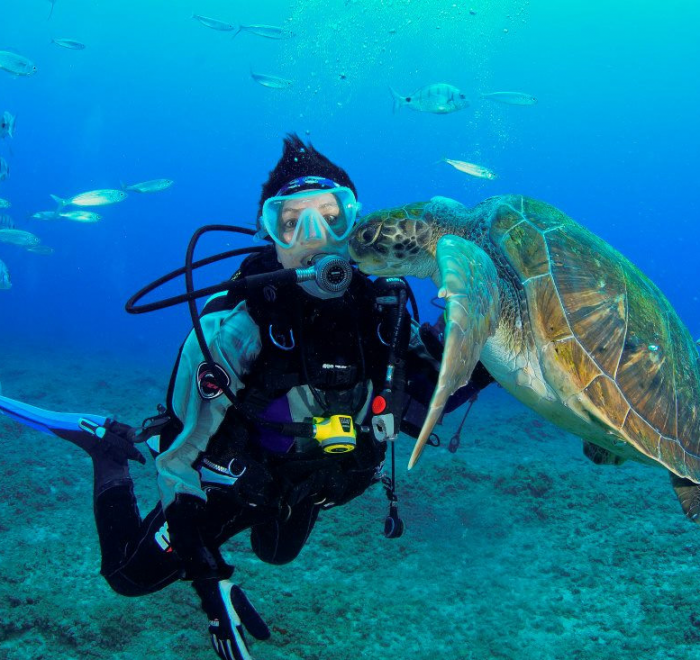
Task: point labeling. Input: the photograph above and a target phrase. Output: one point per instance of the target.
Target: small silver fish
(267, 31)
(40, 249)
(5, 282)
(17, 64)
(92, 198)
(155, 185)
(439, 98)
(45, 215)
(511, 98)
(471, 168)
(18, 237)
(81, 216)
(214, 24)
(273, 82)
(4, 204)
(70, 44)
(4, 169)
(7, 125)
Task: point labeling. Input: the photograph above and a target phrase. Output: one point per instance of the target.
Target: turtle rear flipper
(469, 285)
(688, 493)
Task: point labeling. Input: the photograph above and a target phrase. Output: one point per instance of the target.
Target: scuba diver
(280, 406)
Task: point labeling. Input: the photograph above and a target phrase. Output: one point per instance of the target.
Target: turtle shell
(606, 334)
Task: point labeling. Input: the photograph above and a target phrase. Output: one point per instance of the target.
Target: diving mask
(309, 216)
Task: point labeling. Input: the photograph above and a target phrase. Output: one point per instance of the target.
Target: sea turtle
(559, 318)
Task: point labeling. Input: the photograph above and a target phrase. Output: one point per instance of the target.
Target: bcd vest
(336, 347)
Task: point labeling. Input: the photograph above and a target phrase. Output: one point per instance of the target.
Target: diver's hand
(433, 338)
(247, 479)
(229, 611)
(118, 444)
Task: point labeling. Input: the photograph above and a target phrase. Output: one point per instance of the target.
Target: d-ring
(285, 346)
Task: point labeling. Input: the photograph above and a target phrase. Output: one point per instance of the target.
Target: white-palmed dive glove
(229, 611)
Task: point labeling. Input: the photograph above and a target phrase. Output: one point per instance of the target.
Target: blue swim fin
(69, 426)
(86, 430)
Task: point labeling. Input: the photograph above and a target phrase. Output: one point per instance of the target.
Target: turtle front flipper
(469, 285)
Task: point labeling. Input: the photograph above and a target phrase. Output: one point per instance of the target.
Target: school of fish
(439, 98)
(10, 234)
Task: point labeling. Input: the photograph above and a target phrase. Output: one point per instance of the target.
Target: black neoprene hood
(298, 160)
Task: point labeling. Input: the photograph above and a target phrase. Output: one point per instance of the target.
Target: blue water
(613, 140)
(516, 546)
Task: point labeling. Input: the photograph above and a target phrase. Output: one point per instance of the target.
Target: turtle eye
(369, 234)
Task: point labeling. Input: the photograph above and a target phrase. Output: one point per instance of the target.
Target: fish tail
(398, 99)
(11, 127)
(236, 31)
(60, 202)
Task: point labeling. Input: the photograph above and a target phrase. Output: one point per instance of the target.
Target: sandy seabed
(516, 547)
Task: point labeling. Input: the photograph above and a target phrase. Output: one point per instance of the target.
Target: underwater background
(516, 546)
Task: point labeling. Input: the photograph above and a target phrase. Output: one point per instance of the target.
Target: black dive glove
(433, 338)
(250, 480)
(117, 443)
(229, 611)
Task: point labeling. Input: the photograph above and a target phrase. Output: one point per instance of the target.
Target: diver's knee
(125, 587)
(271, 552)
(276, 559)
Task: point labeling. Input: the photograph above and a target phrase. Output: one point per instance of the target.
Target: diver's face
(313, 237)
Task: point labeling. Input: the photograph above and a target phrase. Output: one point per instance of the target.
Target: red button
(378, 405)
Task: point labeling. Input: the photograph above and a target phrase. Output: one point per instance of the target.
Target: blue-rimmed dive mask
(309, 217)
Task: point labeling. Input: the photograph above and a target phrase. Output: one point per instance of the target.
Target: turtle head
(395, 242)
